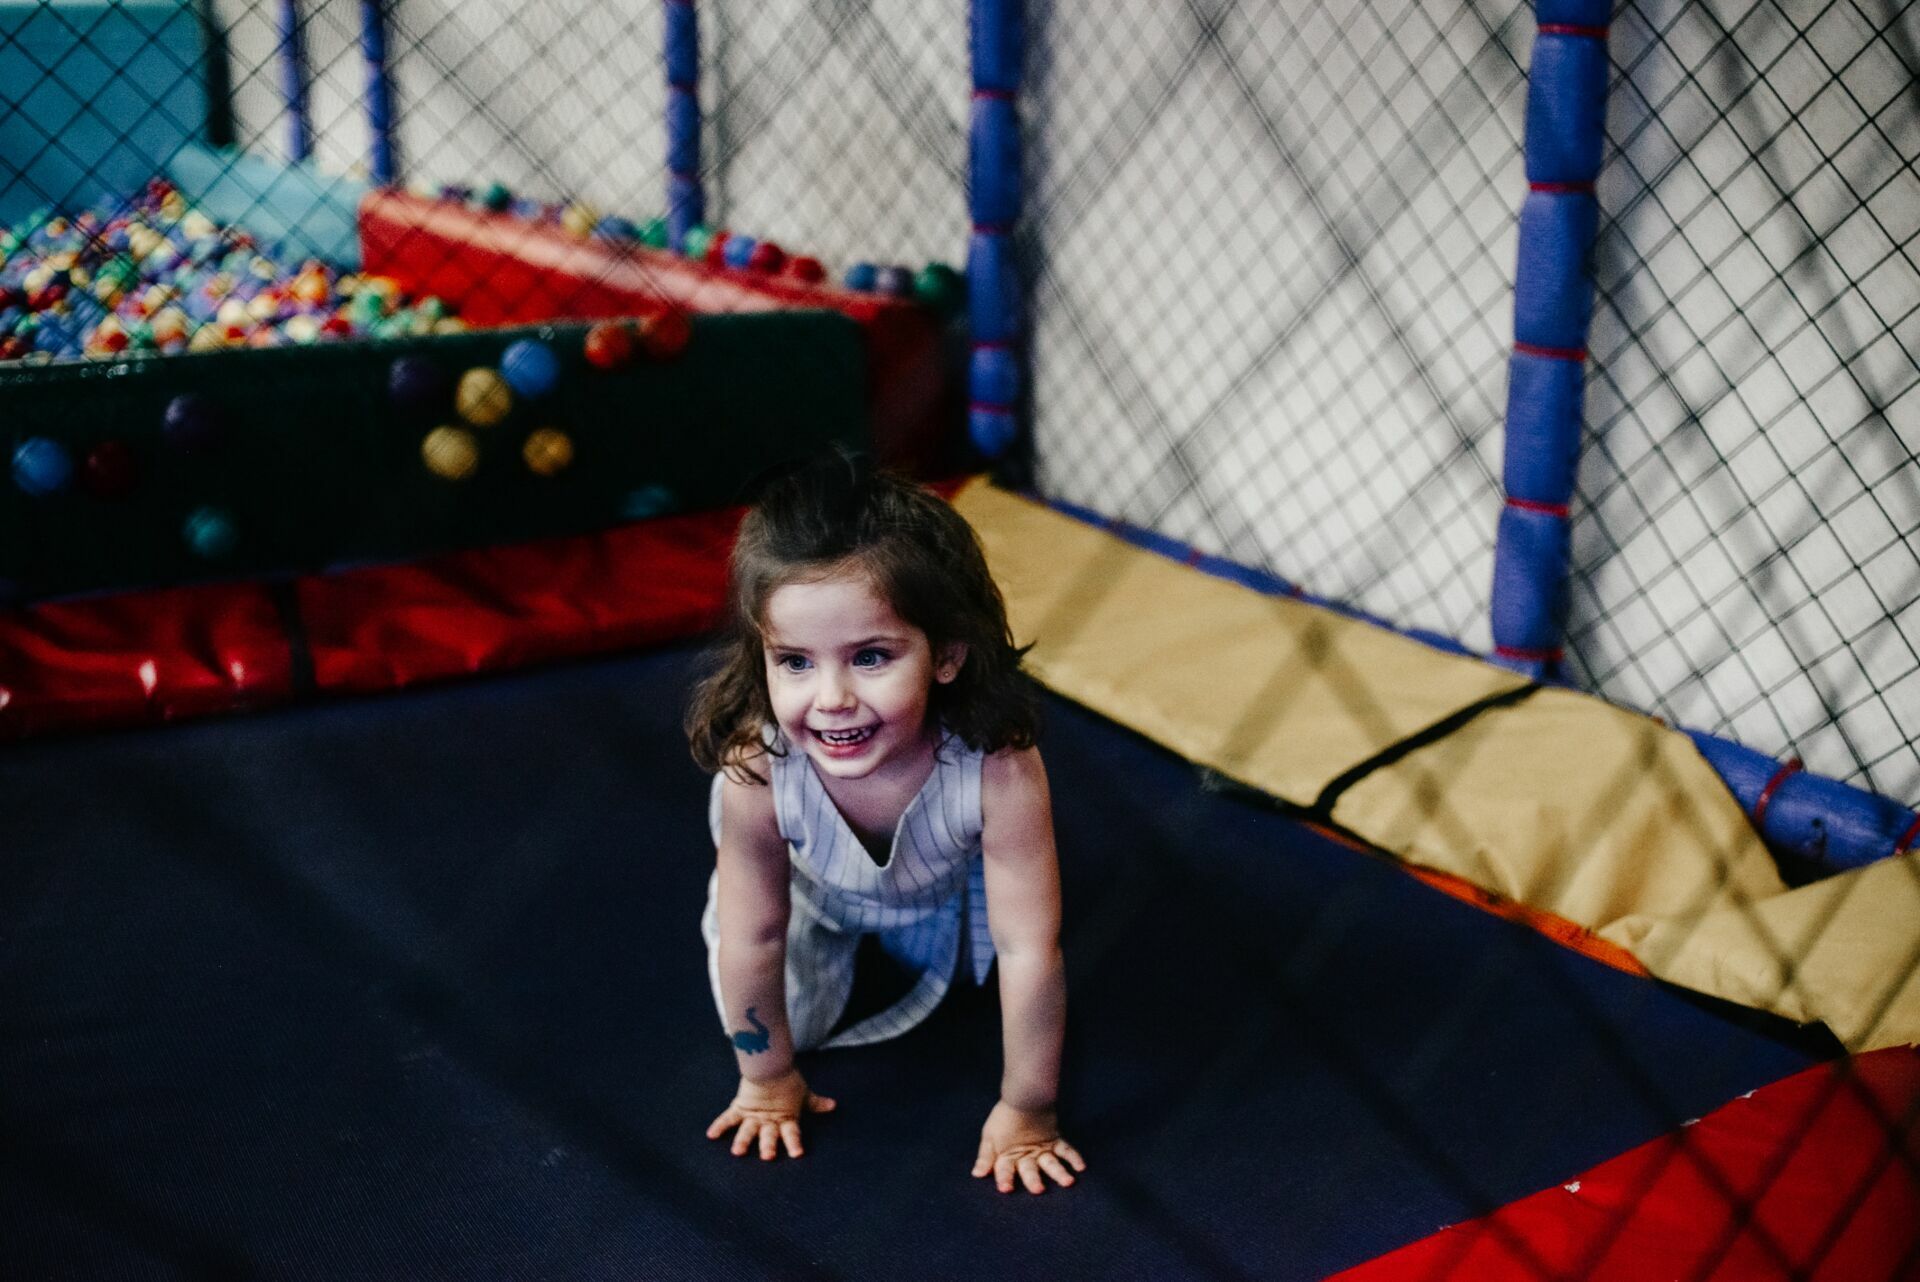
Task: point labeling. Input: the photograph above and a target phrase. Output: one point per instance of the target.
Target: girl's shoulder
(1010, 770)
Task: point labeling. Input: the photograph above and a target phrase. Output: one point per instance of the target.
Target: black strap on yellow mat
(1322, 807)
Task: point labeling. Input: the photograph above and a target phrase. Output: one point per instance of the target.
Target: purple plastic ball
(894, 282)
(417, 383)
(193, 423)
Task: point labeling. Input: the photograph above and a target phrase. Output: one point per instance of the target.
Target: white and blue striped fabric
(927, 902)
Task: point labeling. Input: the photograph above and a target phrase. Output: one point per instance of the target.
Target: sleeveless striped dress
(927, 902)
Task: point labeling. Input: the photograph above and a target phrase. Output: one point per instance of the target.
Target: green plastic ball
(697, 240)
(940, 287)
(653, 232)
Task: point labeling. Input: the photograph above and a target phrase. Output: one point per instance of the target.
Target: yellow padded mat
(1562, 802)
(1279, 695)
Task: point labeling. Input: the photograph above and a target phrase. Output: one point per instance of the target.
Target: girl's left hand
(1027, 1143)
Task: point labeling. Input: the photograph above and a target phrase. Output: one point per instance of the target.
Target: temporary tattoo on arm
(756, 1041)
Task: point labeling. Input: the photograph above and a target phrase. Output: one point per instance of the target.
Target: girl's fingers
(723, 1123)
(1071, 1153)
(743, 1138)
(820, 1104)
(1003, 1172)
(1053, 1166)
(769, 1141)
(1030, 1175)
(983, 1160)
(790, 1132)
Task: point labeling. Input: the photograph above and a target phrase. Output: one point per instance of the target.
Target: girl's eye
(791, 663)
(869, 658)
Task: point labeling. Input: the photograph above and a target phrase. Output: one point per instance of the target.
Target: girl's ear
(947, 664)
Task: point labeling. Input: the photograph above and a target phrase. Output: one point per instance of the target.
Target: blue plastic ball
(739, 251)
(41, 466)
(860, 276)
(649, 500)
(531, 368)
(210, 534)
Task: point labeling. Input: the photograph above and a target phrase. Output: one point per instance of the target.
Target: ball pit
(153, 274)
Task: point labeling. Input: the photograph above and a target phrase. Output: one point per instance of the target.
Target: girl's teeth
(842, 738)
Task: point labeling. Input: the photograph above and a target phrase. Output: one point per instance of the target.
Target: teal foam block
(95, 99)
(306, 213)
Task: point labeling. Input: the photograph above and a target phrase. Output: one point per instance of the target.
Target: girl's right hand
(768, 1113)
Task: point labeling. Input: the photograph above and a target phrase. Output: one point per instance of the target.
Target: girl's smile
(849, 679)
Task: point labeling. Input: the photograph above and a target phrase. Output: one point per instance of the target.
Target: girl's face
(848, 678)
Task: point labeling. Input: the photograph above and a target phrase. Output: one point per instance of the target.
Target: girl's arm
(752, 905)
(1022, 1136)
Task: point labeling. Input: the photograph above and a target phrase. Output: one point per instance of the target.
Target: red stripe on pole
(1534, 505)
(1572, 29)
(1551, 353)
(1529, 656)
(1585, 188)
(1765, 798)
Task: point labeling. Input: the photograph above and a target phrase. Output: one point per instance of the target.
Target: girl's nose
(836, 692)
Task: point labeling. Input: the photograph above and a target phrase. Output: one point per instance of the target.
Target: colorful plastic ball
(210, 534)
(739, 250)
(41, 466)
(894, 282)
(482, 397)
(666, 334)
(109, 471)
(609, 345)
(450, 453)
(861, 276)
(193, 423)
(649, 500)
(806, 269)
(496, 197)
(940, 287)
(417, 383)
(653, 233)
(766, 257)
(547, 451)
(578, 220)
(531, 368)
(697, 240)
(717, 249)
(614, 227)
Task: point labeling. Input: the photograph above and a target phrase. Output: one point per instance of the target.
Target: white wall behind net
(1747, 531)
(557, 101)
(1274, 246)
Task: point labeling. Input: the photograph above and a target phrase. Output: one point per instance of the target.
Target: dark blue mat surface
(413, 988)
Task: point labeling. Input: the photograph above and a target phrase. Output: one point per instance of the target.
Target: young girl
(871, 735)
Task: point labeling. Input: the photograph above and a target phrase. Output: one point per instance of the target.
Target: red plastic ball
(114, 340)
(109, 471)
(336, 326)
(666, 334)
(807, 269)
(766, 257)
(717, 249)
(609, 345)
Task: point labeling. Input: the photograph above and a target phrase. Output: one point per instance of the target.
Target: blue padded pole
(293, 80)
(373, 49)
(1552, 307)
(686, 198)
(996, 38)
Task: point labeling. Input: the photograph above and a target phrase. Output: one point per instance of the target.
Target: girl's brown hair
(837, 515)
